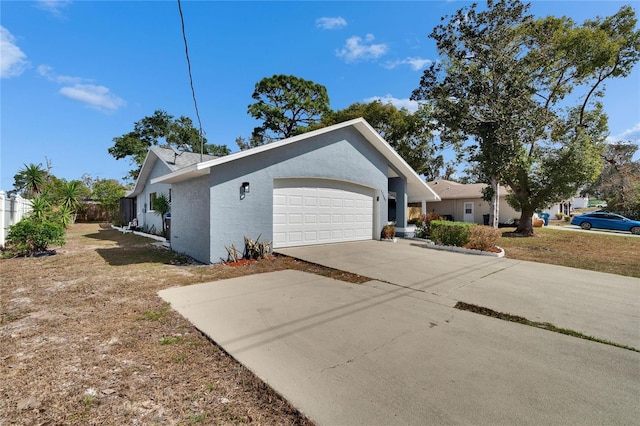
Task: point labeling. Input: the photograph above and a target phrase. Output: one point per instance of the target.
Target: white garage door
(307, 212)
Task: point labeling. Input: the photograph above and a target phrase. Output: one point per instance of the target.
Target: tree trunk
(525, 227)
(495, 203)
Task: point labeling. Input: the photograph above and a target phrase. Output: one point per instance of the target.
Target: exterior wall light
(245, 187)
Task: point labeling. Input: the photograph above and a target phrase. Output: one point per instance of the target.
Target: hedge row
(463, 234)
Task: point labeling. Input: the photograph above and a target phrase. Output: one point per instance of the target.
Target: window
(152, 198)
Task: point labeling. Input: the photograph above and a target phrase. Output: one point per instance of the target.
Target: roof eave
(189, 172)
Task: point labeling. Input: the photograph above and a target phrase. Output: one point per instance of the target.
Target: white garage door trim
(318, 211)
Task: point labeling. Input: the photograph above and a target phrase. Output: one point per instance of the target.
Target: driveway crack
(482, 277)
(370, 351)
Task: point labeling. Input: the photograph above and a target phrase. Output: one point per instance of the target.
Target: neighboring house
(331, 185)
(138, 204)
(464, 203)
(567, 206)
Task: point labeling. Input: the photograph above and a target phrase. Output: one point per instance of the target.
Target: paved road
(394, 351)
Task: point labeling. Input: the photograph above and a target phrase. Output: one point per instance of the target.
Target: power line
(193, 92)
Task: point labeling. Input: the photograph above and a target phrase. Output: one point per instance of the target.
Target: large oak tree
(521, 96)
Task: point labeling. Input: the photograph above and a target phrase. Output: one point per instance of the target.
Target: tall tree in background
(526, 93)
(107, 192)
(619, 182)
(283, 104)
(30, 180)
(411, 135)
(160, 129)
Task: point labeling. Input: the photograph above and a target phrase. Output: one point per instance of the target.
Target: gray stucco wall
(146, 216)
(341, 155)
(190, 217)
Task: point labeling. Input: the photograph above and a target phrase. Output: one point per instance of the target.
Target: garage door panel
(322, 212)
(324, 235)
(294, 200)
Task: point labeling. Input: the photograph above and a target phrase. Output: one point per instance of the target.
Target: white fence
(12, 209)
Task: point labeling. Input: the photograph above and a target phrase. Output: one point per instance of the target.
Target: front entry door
(468, 212)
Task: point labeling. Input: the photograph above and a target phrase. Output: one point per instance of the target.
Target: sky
(76, 74)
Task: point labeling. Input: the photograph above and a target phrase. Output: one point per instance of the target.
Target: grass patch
(595, 252)
(544, 325)
(155, 315)
(171, 340)
(198, 418)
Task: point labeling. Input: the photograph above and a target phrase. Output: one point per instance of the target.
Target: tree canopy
(160, 129)
(619, 182)
(520, 97)
(284, 103)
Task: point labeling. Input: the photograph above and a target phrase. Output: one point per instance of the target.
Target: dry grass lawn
(582, 249)
(86, 340)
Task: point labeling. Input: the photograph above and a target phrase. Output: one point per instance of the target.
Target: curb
(432, 245)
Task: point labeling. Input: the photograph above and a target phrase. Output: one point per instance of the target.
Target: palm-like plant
(71, 193)
(30, 180)
(64, 216)
(40, 208)
(162, 206)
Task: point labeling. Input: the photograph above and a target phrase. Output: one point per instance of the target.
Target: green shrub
(483, 237)
(31, 235)
(450, 233)
(423, 224)
(559, 216)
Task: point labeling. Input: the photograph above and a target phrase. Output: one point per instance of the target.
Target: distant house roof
(174, 160)
(448, 189)
(417, 189)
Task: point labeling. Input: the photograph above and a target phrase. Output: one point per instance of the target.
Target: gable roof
(448, 189)
(171, 159)
(417, 188)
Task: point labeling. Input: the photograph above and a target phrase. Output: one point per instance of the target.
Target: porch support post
(399, 186)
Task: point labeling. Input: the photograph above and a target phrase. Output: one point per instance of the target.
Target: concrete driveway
(602, 305)
(394, 351)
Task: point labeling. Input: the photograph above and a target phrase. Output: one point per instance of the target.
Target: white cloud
(13, 61)
(48, 72)
(98, 97)
(77, 88)
(411, 106)
(355, 49)
(55, 7)
(416, 64)
(632, 134)
(331, 23)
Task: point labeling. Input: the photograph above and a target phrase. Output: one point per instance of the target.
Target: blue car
(604, 220)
